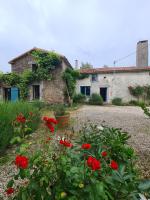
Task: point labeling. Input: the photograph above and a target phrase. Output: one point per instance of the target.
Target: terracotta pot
(63, 121)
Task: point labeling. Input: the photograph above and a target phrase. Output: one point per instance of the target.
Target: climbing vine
(46, 61)
(71, 76)
(140, 92)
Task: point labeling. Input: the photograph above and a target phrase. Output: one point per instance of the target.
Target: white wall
(117, 84)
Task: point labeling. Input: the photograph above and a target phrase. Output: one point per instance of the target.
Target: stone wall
(53, 91)
(50, 91)
(117, 84)
(24, 63)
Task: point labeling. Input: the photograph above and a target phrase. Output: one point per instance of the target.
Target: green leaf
(145, 185)
(10, 183)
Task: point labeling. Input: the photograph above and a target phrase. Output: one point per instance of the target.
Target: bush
(95, 99)
(79, 98)
(98, 165)
(8, 113)
(117, 101)
(59, 110)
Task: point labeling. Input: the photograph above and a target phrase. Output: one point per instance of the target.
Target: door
(36, 92)
(14, 94)
(103, 93)
(7, 94)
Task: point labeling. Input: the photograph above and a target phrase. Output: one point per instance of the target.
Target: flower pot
(63, 121)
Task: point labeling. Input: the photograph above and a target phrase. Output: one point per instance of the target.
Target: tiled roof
(34, 49)
(113, 70)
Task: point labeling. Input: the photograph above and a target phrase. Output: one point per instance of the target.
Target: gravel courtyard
(130, 119)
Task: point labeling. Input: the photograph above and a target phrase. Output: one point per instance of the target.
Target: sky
(94, 31)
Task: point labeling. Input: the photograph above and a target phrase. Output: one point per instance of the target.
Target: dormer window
(94, 77)
(34, 67)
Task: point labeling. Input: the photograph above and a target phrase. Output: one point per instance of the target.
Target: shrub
(99, 165)
(8, 113)
(38, 104)
(95, 99)
(134, 102)
(79, 98)
(117, 101)
(59, 110)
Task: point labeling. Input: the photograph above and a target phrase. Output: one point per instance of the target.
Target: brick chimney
(142, 54)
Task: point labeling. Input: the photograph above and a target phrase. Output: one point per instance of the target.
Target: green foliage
(8, 113)
(117, 101)
(59, 110)
(79, 98)
(145, 109)
(46, 60)
(141, 92)
(86, 66)
(57, 172)
(70, 76)
(95, 99)
(134, 102)
(136, 91)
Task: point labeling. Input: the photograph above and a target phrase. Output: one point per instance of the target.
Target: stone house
(52, 91)
(112, 82)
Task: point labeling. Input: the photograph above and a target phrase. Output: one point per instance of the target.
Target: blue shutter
(14, 94)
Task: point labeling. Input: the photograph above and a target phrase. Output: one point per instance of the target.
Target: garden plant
(96, 164)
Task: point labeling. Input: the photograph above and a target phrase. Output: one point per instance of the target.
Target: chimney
(142, 54)
(76, 64)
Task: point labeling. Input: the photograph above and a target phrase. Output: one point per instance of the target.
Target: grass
(8, 113)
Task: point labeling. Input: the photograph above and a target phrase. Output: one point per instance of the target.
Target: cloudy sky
(94, 31)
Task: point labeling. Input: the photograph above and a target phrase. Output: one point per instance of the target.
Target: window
(94, 77)
(36, 92)
(85, 90)
(34, 67)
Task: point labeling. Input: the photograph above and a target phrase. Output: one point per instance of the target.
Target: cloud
(94, 31)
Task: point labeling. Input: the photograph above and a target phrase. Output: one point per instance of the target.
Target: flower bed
(98, 164)
(21, 113)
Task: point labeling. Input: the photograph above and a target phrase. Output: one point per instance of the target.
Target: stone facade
(50, 91)
(24, 63)
(117, 83)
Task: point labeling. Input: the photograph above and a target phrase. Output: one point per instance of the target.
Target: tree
(86, 66)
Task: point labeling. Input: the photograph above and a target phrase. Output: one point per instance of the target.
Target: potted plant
(61, 116)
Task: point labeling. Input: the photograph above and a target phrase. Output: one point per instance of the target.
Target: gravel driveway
(130, 119)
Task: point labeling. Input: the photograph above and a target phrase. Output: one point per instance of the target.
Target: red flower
(50, 127)
(89, 161)
(93, 163)
(20, 118)
(10, 191)
(21, 161)
(104, 153)
(66, 143)
(49, 138)
(49, 123)
(31, 113)
(114, 165)
(86, 146)
(61, 141)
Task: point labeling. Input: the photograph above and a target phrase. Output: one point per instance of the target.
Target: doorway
(103, 93)
(36, 92)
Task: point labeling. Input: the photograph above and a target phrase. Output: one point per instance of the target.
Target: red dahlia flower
(86, 146)
(114, 165)
(104, 153)
(20, 118)
(10, 191)
(21, 162)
